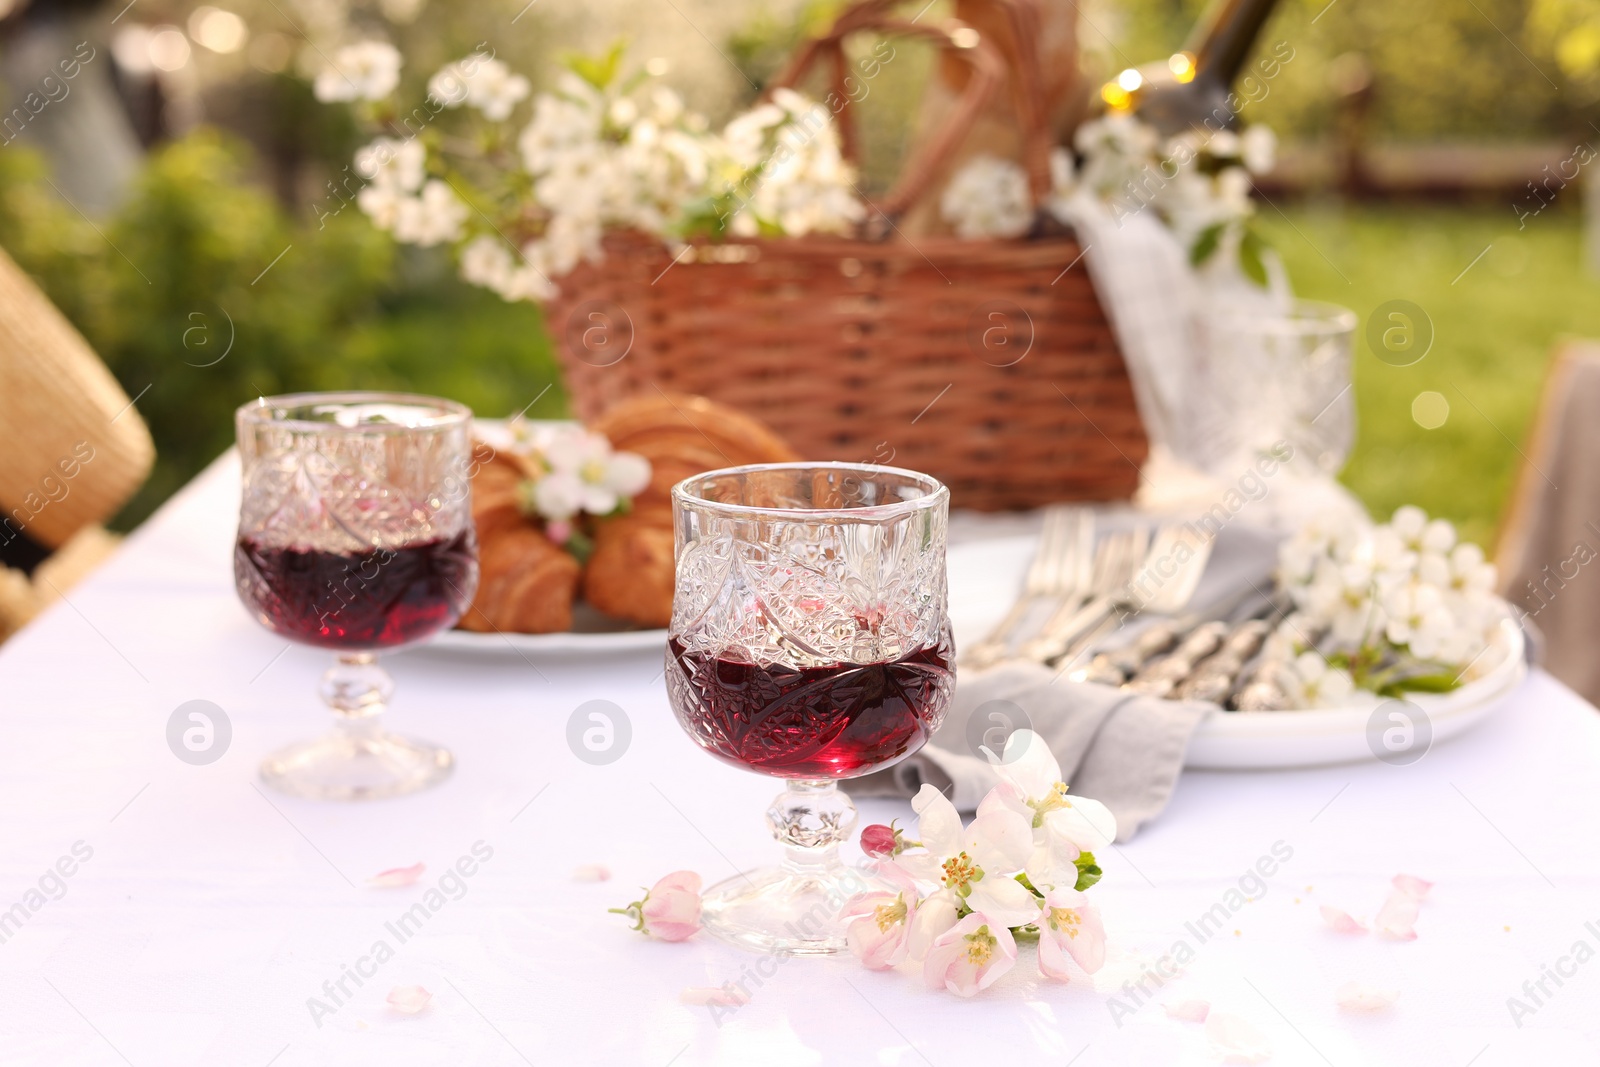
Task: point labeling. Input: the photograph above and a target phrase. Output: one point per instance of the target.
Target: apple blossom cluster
(1403, 606)
(965, 895)
(601, 152)
(1198, 183)
(989, 197)
(575, 473)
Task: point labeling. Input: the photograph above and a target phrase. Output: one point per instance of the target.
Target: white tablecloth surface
(211, 910)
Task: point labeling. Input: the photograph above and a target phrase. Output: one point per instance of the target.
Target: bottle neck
(1223, 39)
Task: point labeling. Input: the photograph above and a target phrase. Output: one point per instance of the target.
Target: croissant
(526, 582)
(630, 573)
(683, 435)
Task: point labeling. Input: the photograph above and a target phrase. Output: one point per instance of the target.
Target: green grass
(469, 345)
(1494, 331)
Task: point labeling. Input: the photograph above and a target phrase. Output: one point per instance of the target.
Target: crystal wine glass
(355, 535)
(810, 642)
(1277, 376)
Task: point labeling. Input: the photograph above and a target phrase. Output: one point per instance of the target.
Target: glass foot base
(786, 911)
(355, 767)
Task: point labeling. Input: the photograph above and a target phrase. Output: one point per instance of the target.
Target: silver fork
(1171, 593)
(1059, 569)
(1114, 563)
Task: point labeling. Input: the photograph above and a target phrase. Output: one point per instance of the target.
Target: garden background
(225, 239)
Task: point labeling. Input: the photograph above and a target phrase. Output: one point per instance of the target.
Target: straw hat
(74, 448)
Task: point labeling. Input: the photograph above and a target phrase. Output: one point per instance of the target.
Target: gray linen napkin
(1123, 749)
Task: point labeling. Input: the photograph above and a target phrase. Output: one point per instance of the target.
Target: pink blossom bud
(878, 840)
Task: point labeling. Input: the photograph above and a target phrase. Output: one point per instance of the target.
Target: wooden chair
(1549, 546)
(72, 450)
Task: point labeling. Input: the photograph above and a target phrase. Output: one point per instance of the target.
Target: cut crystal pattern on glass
(809, 642)
(1272, 379)
(355, 534)
(340, 489)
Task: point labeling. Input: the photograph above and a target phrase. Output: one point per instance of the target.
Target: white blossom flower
(1382, 594)
(988, 197)
(482, 82)
(583, 474)
(487, 262)
(1469, 573)
(1224, 144)
(609, 158)
(1419, 619)
(1342, 594)
(1116, 134)
(369, 70)
(1064, 826)
(381, 204)
(971, 865)
(1258, 148)
(1321, 685)
(559, 126)
(392, 163)
(432, 218)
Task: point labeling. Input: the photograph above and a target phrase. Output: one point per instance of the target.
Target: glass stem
(357, 689)
(810, 819)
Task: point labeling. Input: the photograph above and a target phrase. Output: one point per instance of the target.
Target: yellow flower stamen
(1065, 918)
(887, 915)
(959, 872)
(980, 946)
(1055, 798)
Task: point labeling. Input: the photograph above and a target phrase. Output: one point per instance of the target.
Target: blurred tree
(1440, 68)
(1570, 29)
(202, 293)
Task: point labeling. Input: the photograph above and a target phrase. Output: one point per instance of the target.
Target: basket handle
(988, 68)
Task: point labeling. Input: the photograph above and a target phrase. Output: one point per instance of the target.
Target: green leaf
(580, 546)
(599, 71)
(1443, 682)
(1250, 261)
(1206, 245)
(1088, 871)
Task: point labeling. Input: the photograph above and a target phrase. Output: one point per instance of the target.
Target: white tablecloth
(209, 911)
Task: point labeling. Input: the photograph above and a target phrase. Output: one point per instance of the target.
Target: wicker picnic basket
(987, 363)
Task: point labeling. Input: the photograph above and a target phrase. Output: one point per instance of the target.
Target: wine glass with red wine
(809, 642)
(355, 535)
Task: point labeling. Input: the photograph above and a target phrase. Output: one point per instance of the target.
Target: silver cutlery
(1060, 571)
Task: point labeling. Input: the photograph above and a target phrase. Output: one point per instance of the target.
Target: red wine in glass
(840, 720)
(378, 598)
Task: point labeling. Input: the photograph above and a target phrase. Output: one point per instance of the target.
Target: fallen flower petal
(1356, 996)
(1237, 1041)
(1190, 1011)
(409, 998)
(592, 872)
(728, 996)
(397, 877)
(1397, 918)
(1412, 885)
(1342, 921)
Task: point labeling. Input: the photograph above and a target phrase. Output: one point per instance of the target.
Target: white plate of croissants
(535, 596)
